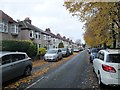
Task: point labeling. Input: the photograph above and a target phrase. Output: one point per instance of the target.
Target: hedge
(61, 45)
(21, 46)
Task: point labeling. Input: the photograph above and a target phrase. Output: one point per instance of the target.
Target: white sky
(45, 14)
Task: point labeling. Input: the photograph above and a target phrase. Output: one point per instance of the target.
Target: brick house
(24, 30)
(33, 33)
(9, 28)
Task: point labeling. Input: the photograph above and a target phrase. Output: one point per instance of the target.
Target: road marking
(34, 83)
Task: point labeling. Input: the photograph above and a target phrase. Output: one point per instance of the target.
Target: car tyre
(27, 71)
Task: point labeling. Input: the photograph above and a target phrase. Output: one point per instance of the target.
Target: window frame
(14, 28)
(31, 34)
(4, 25)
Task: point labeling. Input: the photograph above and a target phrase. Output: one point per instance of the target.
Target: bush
(61, 45)
(41, 51)
(21, 46)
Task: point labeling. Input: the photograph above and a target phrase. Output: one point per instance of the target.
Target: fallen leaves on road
(38, 63)
(39, 72)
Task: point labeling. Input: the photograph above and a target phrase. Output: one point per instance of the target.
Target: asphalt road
(75, 73)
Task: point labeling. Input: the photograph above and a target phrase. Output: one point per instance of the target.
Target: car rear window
(115, 58)
(95, 50)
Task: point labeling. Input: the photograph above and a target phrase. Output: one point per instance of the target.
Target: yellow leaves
(39, 72)
(38, 63)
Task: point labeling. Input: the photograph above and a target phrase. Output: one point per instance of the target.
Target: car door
(95, 63)
(18, 61)
(7, 69)
(100, 61)
(59, 53)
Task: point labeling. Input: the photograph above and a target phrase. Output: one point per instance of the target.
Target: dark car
(93, 53)
(14, 64)
(65, 52)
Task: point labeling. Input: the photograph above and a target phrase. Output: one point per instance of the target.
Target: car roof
(111, 51)
(2, 53)
(53, 49)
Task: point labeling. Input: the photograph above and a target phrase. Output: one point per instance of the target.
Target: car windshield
(63, 49)
(115, 58)
(52, 51)
(95, 50)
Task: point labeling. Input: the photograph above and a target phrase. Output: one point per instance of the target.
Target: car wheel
(99, 81)
(27, 71)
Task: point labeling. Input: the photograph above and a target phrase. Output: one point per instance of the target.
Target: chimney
(48, 30)
(27, 19)
(64, 37)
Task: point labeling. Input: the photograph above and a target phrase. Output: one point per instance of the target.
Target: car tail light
(108, 68)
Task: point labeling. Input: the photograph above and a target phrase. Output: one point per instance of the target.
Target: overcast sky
(45, 14)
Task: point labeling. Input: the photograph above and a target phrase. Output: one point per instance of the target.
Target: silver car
(53, 55)
(14, 64)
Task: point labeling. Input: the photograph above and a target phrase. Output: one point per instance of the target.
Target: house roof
(50, 33)
(5, 17)
(26, 25)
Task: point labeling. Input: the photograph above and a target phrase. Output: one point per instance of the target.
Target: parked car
(88, 50)
(71, 51)
(76, 50)
(14, 64)
(53, 55)
(65, 51)
(93, 53)
(106, 65)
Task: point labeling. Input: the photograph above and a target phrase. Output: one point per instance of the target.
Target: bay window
(3, 27)
(14, 29)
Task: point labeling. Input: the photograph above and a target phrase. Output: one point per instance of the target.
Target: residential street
(74, 73)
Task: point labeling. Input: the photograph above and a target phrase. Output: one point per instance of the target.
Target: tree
(98, 18)
(61, 45)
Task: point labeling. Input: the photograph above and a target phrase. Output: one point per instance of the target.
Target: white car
(107, 67)
(76, 50)
(53, 55)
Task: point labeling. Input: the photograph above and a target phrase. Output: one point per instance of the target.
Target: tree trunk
(104, 45)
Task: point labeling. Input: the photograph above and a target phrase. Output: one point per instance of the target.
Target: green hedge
(21, 46)
(61, 45)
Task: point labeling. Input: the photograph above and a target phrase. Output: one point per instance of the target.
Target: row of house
(24, 30)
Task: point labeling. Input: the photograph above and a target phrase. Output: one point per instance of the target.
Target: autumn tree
(102, 20)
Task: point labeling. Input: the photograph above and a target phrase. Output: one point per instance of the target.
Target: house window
(39, 36)
(31, 34)
(39, 45)
(49, 37)
(14, 29)
(45, 37)
(3, 27)
(36, 35)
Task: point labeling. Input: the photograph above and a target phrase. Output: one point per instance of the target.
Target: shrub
(41, 51)
(61, 45)
(21, 46)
